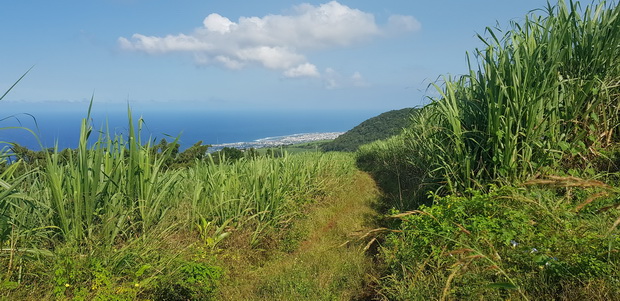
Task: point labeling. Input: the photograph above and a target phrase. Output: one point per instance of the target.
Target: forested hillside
(376, 128)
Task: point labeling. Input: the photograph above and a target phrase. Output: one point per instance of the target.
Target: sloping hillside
(376, 128)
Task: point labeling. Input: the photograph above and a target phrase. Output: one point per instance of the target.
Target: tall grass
(114, 193)
(88, 221)
(115, 185)
(393, 164)
(15, 206)
(264, 191)
(540, 93)
(117, 188)
(539, 97)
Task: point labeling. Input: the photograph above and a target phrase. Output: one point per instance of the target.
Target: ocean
(62, 126)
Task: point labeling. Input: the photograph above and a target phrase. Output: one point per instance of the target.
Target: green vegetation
(506, 186)
(542, 94)
(314, 146)
(537, 243)
(125, 219)
(376, 128)
(321, 257)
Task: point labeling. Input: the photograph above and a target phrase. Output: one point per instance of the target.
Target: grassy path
(321, 258)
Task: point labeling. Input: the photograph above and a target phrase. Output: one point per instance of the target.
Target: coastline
(241, 130)
(278, 141)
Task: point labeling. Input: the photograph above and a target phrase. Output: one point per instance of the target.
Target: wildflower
(514, 243)
(137, 284)
(534, 250)
(67, 285)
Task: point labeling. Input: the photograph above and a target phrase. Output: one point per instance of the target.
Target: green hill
(376, 128)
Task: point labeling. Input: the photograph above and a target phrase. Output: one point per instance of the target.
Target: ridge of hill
(380, 127)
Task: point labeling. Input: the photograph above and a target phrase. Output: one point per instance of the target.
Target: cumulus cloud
(398, 24)
(358, 80)
(305, 69)
(217, 23)
(276, 42)
(334, 80)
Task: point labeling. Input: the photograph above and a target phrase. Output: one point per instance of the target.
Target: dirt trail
(325, 259)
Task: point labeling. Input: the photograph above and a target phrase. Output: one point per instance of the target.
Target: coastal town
(279, 141)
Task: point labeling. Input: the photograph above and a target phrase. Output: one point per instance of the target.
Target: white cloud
(334, 80)
(398, 24)
(302, 70)
(166, 44)
(229, 63)
(275, 42)
(358, 80)
(217, 23)
(270, 57)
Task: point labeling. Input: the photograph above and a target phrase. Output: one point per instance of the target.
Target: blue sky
(232, 55)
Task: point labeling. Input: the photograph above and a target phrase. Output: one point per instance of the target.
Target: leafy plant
(196, 281)
(527, 241)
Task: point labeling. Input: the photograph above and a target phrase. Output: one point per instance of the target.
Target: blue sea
(61, 124)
